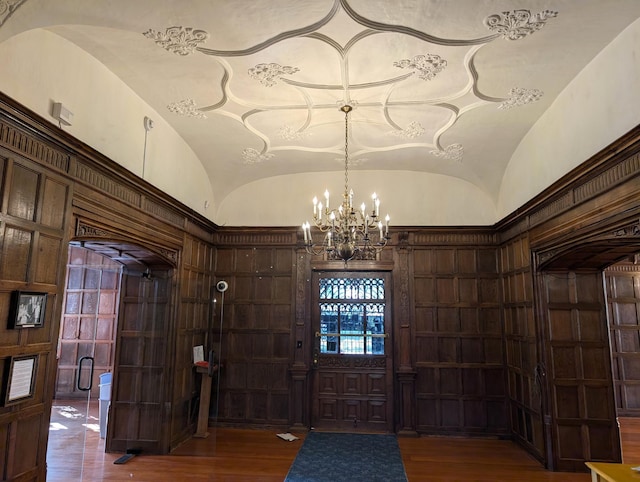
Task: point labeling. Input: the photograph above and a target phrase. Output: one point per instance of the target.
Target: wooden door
(136, 418)
(579, 380)
(352, 359)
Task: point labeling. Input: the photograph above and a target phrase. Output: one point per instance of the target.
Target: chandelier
(348, 233)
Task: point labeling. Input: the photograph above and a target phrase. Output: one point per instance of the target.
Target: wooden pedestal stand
(205, 398)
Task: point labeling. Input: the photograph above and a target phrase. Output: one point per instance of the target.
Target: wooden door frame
(362, 269)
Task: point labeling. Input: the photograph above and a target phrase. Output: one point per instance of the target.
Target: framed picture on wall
(27, 309)
(21, 376)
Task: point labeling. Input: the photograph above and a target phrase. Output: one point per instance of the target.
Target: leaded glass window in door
(352, 316)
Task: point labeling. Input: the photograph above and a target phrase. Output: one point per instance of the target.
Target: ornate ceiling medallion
(269, 74)
(178, 40)
(186, 107)
(517, 24)
(427, 66)
(519, 96)
(453, 152)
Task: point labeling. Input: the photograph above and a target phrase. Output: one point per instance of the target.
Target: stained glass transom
(352, 316)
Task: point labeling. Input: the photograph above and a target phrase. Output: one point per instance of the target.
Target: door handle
(80, 363)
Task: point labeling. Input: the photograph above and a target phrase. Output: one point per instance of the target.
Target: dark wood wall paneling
(622, 283)
(524, 384)
(34, 212)
(256, 325)
(578, 363)
(192, 329)
(459, 359)
(54, 189)
(585, 222)
(466, 311)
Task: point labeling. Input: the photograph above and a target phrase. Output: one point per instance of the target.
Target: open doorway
(622, 292)
(112, 356)
(85, 354)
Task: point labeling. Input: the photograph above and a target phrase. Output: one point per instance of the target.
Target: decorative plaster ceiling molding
(442, 111)
(7, 7)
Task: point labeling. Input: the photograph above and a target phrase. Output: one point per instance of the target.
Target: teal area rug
(348, 457)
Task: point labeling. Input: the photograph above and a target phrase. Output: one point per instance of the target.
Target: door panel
(136, 419)
(352, 386)
(579, 377)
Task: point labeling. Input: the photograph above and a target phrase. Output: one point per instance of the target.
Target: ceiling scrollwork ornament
(7, 7)
(426, 66)
(517, 24)
(186, 107)
(414, 129)
(269, 74)
(253, 156)
(519, 96)
(178, 40)
(453, 152)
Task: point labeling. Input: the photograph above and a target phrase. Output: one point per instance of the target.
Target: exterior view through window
(352, 316)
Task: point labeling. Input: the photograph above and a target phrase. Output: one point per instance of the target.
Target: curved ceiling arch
(253, 89)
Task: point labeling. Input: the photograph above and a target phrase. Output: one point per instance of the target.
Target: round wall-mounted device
(222, 286)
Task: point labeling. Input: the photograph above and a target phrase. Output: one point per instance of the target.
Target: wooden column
(403, 345)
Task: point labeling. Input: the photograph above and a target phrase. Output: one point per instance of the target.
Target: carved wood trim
(579, 186)
(629, 232)
(34, 138)
(88, 230)
(255, 237)
(106, 184)
(161, 211)
(352, 361)
(624, 268)
(26, 145)
(451, 238)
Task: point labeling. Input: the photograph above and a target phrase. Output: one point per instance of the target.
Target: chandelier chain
(346, 153)
(348, 233)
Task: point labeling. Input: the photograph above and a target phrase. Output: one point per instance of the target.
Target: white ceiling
(254, 86)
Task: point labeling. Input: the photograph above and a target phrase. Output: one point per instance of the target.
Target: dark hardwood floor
(240, 455)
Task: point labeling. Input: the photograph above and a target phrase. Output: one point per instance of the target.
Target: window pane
(357, 310)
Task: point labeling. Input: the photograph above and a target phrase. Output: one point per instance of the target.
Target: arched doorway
(120, 319)
(579, 403)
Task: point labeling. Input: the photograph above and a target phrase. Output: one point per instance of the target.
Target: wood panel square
(376, 411)
(567, 401)
(376, 384)
(352, 384)
(564, 362)
(328, 384)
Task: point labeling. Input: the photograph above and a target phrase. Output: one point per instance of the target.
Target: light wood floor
(236, 455)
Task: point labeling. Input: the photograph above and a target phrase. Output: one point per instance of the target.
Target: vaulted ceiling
(254, 87)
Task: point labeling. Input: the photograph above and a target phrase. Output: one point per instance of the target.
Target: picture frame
(27, 309)
(21, 378)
